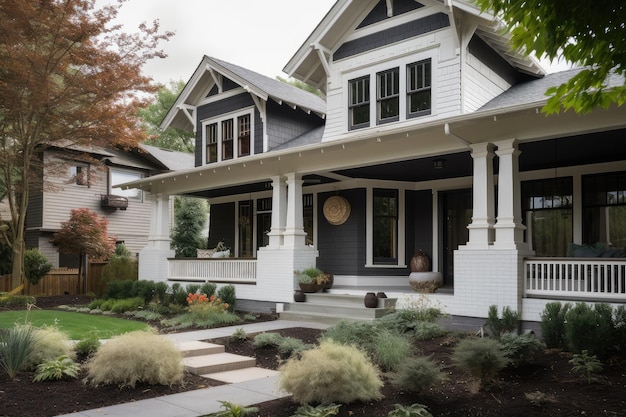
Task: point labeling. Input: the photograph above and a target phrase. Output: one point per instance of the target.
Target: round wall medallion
(336, 210)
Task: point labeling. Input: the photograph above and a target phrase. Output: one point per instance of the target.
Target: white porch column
(153, 263)
(509, 227)
(481, 233)
(279, 212)
(294, 235)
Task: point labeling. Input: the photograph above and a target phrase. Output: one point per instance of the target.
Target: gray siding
(392, 35)
(419, 222)
(379, 12)
(285, 123)
(222, 225)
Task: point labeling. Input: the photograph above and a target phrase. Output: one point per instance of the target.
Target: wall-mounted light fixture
(439, 163)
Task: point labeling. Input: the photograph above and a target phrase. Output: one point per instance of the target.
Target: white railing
(213, 269)
(584, 278)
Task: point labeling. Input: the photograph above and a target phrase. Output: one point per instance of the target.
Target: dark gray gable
(379, 12)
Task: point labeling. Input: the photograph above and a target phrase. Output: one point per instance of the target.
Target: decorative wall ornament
(336, 210)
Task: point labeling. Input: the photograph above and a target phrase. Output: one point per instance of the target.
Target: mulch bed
(458, 396)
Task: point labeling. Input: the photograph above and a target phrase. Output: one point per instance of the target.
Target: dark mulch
(457, 397)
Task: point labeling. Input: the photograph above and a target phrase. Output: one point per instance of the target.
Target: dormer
(390, 64)
(236, 113)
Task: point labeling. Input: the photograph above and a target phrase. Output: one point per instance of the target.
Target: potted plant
(307, 283)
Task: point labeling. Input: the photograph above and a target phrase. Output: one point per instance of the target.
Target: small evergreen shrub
(239, 335)
(538, 398)
(482, 358)
(192, 288)
(227, 295)
(36, 265)
(266, 340)
(331, 373)
(119, 268)
(426, 330)
(55, 369)
(118, 289)
(16, 301)
(49, 344)
(390, 350)
(96, 304)
(88, 346)
(418, 374)
(145, 290)
(322, 410)
(16, 345)
(178, 295)
(414, 410)
(208, 288)
(351, 333)
(509, 322)
(589, 329)
(127, 304)
(553, 324)
(619, 322)
(521, 349)
(160, 292)
(587, 365)
(290, 346)
(138, 357)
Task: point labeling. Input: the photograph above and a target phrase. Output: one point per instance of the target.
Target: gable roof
(310, 62)
(260, 86)
(173, 160)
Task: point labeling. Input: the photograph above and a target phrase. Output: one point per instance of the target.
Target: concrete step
(321, 317)
(217, 362)
(196, 348)
(345, 300)
(241, 375)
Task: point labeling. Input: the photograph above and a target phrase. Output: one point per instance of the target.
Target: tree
(84, 234)
(190, 217)
(170, 138)
(589, 33)
(68, 76)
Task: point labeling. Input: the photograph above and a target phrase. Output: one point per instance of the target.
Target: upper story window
(419, 98)
(228, 138)
(119, 176)
(79, 174)
(412, 80)
(388, 100)
(359, 108)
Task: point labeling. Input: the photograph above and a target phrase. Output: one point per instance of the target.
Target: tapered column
(294, 235)
(159, 237)
(481, 233)
(509, 227)
(279, 212)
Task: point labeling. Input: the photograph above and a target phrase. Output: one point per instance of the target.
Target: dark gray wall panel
(285, 123)
(419, 215)
(485, 54)
(222, 225)
(379, 12)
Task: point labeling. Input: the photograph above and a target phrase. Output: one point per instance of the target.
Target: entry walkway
(206, 401)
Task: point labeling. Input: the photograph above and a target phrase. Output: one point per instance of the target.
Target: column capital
(482, 150)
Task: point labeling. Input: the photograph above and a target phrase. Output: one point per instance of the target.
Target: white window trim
(385, 66)
(111, 186)
(233, 115)
(73, 172)
(369, 229)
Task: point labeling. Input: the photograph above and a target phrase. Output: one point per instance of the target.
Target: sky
(261, 35)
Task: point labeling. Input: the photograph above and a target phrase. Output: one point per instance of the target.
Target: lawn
(77, 326)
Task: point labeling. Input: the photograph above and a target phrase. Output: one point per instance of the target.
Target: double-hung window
(227, 139)
(388, 95)
(79, 174)
(359, 106)
(385, 226)
(211, 142)
(419, 99)
(243, 135)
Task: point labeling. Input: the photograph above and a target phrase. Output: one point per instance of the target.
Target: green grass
(77, 326)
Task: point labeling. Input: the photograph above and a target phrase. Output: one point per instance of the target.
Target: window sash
(243, 135)
(211, 141)
(227, 139)
(419, 83)
(385, 226)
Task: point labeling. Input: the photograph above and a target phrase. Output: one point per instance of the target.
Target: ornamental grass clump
(136, 357)
(418, 374)
(16, 345)
(482, 358)
(331, 373)
(49, 344)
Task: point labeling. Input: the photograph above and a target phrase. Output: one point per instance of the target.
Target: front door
(245, 229)
(456, 214)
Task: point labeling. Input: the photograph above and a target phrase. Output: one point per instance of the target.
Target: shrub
(118, 289)
(227, 295)
(521, 349)
(389, 350)
(619, 322)
(553, 324)
(351, 333)
(36, 265)
(178, 295)
(16, 301)
(322, 410)
(16, 345)
(59, 368)
(138, 357)
(192, 288)
(96, 304)
(234, 410)
(127, 304)
(239, 335)
(160, 292)
(290, 346)
(266, 340)
(208, 288)
(49, 344)
(87, 346)
(419, 374)
(538, 398)
(331, 373)
(508, 323)
(119, 268)
(414, 410)
(426, 330)
(589, 329)
(587, 365)
(482, 358)
(145, 290)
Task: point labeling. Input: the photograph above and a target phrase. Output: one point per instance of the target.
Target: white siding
(481, 84)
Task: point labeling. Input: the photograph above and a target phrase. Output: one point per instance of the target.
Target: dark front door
(456, 214)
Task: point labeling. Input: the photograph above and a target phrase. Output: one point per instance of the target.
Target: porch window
(388, 95)
(211, 142)
(547, 205)
(359, 106)
(604, 209)
(243, 135)
(227, 139)
(385, 226)
(419, 88)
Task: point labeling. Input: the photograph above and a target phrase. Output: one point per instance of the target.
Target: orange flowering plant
(202, 305)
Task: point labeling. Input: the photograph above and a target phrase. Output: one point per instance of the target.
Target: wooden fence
(61, 281)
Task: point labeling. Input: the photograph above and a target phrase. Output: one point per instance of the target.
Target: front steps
(212, 362)
(331, 308)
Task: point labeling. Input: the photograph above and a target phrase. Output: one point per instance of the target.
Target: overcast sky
(261, 35)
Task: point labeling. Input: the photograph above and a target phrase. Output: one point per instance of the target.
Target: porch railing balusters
(210, 269)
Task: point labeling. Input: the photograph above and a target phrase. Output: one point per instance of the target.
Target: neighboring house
(87, 177)
(432, 137)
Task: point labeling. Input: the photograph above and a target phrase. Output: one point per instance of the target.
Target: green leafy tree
(36, 265)
(84, 234)
(69, 76)
(190, 217)
(588, 33)
(170, 138)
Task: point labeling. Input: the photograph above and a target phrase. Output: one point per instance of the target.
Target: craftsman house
(88, 177)
(430, 137)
